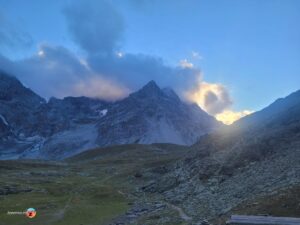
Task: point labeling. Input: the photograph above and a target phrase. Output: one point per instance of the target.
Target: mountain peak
(12, 89)
(150, 89)
(151, 85)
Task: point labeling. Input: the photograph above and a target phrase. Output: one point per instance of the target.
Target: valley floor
(106, 189)
(79, 191)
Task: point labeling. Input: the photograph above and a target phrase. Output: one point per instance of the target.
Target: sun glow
(228, 116)
(41, 53)
(214, 98)
(211, 97)
(119, 54)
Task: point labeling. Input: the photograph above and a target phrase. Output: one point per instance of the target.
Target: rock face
(152, 115)
(31, 127)
(18, 105)
(257, 156)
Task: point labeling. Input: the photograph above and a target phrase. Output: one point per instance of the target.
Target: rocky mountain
(32, 127)
(256, 158)
(29, 124)
(154, 115)
(284, 111)
(252, 166)
(18, 105)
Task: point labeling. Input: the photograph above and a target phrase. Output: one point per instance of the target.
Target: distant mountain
(31, 127)
(283, 111)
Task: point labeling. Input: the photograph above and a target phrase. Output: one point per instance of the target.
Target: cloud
(213, 98)
(12, 37)
(184, 63)
(106, 71)
(96, 86)
(134, 70)
(51, 71)
(6, 65)
(229, 116)
(196, 55)
(95, 25)
(55, 71)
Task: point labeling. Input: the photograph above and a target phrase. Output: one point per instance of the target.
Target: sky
(231, 57)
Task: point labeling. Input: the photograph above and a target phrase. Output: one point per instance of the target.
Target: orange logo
(31, 213)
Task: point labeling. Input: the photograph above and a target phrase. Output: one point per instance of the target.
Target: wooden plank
(265, 218)
(262, 220)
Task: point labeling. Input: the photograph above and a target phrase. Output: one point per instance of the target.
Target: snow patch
(102, 112)
(4, 120)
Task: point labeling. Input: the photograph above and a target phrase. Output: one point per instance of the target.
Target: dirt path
(59, 215)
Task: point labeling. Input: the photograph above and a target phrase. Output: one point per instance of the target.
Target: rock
(7, 190)
(138, 175)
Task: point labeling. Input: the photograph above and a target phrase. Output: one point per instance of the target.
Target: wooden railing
(262, 220)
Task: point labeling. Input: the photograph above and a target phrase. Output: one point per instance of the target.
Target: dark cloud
(95, 25)
(134, 70)
(51, 70)
(55, 71)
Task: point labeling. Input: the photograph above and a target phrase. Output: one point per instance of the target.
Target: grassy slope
(91, 188)
(60, 193)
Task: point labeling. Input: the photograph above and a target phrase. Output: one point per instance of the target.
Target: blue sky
(250, 47)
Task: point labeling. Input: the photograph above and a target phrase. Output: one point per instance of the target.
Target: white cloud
(184, 63)
(196, 55)
(211, 97)
(215, 99)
